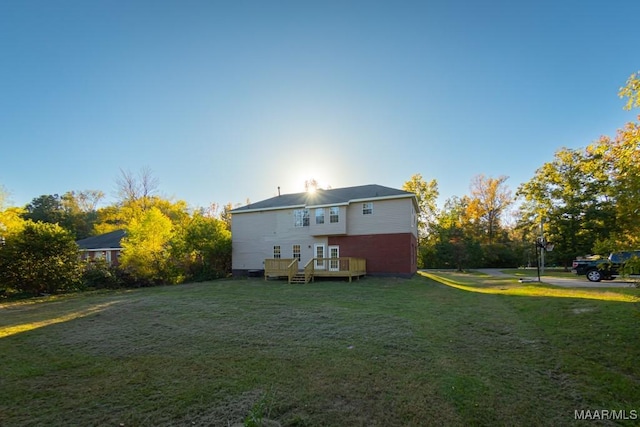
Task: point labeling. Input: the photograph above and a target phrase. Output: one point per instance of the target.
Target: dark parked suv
(597, 269)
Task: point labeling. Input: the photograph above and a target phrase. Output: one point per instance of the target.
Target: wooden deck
(316, 267)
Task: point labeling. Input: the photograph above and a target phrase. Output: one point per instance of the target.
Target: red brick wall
(385, 253)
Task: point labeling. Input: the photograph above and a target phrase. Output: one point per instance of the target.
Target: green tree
(45, 208)
(145, 248)
(41, 257)
(621, 159)
(225, 215)
(202, 247)
(80, 212)
(74, 211)
(571, 198)
(426, 194)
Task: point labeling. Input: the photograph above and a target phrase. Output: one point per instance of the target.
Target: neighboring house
(106, 246)
(370, 222)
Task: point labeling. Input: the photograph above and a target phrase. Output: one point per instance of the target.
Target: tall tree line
(165, 241)
(585, 201)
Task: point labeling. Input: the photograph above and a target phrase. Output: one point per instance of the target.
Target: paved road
(567, 282)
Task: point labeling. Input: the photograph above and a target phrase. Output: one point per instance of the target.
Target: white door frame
(319, 265)
(334, 265)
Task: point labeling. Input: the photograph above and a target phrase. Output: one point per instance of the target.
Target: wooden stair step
(298, 278)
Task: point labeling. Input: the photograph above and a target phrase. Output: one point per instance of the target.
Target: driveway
(567, 282)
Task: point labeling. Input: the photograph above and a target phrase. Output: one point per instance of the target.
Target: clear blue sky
(227, 100)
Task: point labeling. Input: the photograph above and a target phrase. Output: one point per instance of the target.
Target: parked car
(597, 268)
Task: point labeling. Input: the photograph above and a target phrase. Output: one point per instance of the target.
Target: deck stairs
(299, 278)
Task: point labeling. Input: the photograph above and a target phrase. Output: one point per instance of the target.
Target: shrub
(99, 274)
(41, 258)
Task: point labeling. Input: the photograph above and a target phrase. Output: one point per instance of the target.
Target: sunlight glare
(9, 330)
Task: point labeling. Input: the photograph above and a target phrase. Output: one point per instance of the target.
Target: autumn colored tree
(11, 221)
(11, 218)
(451, 242)
(590, 198)
(490, 198)
(631, 91)
(116, 217)
(4, 196)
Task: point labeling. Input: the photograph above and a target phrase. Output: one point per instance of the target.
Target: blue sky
(227, 100)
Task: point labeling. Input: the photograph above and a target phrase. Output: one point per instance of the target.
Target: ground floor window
(276, 252)
(296, 252)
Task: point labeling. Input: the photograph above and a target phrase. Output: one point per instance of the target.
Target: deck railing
(292, 269)
(337, 267)
(308, 271)
(340, 265)
(277, 267)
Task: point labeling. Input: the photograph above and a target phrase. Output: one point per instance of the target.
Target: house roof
(334, 196)
(103, 241)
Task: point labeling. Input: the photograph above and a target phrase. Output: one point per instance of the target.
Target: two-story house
(320, 229)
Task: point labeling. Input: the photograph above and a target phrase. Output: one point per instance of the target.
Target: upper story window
(320, 216)
(276, 252)
(334, 214)
(301, 217)
(367, 208)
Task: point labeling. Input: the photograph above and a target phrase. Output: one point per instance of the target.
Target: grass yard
(375, 352)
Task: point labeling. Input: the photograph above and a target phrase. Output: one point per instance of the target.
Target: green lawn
(375, 352)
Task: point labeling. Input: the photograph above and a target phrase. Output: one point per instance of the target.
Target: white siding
(388, 217)
(329, 228)
(256, 233)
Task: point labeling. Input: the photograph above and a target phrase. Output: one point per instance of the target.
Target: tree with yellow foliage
(490, 198)
(426, 193)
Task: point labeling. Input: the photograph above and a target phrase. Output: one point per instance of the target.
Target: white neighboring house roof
(331, 197)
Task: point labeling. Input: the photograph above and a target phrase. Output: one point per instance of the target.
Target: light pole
(541, 241)
(543, 246)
